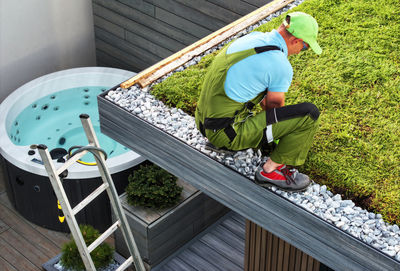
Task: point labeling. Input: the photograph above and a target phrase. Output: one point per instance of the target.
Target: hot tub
(46, 111)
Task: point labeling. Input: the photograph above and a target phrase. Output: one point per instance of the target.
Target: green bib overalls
(230, 124)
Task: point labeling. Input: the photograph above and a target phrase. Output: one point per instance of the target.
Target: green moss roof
(355, 83)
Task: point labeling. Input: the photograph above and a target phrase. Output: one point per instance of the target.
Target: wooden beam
(172, 62)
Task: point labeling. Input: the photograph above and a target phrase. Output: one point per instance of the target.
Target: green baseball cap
(305, 27)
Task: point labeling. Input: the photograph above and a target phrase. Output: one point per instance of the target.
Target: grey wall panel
(137, 29)
(150, 30)
(190, 14)
(257, 3)
(181, 23)
(211, 9)
(111, 61)
(150, 46)
(120, 55)
(237, 6)
(125, 46)
(115, 29)
(143, 6)
(147, 20)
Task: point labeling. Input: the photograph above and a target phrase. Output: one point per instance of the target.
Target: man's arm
(273, 100)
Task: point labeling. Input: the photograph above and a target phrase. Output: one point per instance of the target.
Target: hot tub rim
(13, 105)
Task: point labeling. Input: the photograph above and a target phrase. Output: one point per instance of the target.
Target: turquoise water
(54, 121)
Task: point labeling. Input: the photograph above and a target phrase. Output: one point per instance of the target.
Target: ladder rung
(104, 236)
(89, 198)
(125, 264)
(70, 161)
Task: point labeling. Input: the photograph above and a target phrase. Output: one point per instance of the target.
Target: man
(255, 69)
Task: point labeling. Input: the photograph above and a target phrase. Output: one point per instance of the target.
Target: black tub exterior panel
(33, 197)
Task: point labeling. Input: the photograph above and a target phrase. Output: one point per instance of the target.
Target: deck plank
(231, 239)
(221, 247)
(57, 238)
(3, 226)
(237, 228)
(238, 218)
(34, 254)
(15, 258)
(5, 266)
(5, 201)
(23, 228)
(200, 248)
(176, 264)
(197, 262)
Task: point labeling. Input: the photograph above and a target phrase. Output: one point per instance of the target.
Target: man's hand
(273, 100)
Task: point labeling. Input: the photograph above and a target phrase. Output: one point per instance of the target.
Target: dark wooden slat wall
(135, 34)
(265, 251)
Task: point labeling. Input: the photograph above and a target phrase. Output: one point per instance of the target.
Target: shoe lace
(288, 173)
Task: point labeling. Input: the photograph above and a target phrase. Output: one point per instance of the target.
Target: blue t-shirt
(254, 74)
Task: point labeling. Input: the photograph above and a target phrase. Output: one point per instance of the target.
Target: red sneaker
(286, 179)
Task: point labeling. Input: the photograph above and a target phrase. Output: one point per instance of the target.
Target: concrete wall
(134, 34)
(38, 37)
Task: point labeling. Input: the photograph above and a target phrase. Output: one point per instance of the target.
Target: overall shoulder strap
(262, 49)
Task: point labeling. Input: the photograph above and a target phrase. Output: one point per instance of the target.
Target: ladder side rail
(113, 195)
(66, 207)
(125, 229)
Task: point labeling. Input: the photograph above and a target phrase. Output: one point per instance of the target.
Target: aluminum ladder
(108, 185)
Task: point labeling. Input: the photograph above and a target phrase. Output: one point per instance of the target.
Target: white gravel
(366, 226)
(113, 266)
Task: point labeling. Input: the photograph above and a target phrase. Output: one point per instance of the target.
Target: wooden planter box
(49, 266)
(158, 234)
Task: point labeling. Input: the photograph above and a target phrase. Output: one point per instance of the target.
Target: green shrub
(355, 83)
(102, 256)
(153, 187)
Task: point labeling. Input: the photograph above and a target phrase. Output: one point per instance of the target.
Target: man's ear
(293, 40)
(296, 40)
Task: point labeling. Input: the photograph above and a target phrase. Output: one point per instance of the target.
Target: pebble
(391, 253)
(335, 204)
(348, 210)
(112, 266)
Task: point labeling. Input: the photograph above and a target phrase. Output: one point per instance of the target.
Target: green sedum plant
(102, 256)
(153, 187)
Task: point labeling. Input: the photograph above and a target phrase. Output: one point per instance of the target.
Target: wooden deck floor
(23, 245)
(220, 247)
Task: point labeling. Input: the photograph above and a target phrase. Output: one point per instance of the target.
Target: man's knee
(311, 109)
(275, 115)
